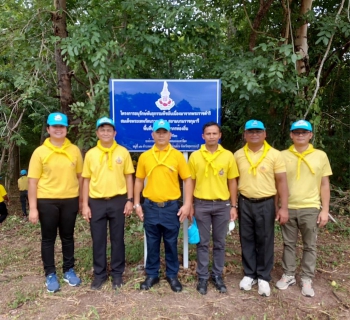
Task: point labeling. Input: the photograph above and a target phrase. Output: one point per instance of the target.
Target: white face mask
(231, 226)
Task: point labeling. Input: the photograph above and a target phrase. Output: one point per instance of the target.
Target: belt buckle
(108, 198)
(161, 204)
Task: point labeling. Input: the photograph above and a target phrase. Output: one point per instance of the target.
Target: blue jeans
(158, 223)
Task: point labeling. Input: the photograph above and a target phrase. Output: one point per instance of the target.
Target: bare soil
(23, 294)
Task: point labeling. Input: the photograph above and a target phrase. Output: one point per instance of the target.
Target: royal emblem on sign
(165, 102)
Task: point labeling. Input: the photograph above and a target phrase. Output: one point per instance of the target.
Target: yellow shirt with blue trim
(306, 192)
(3, 193)
(261, 185)
(107, 182)
(163, 182)
(58, 175)
(23, 183)
(213, 186)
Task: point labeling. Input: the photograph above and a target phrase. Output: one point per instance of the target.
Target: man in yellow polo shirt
(23, 192)
(107, 198)
(3, 207)
(308, 172)
(214, 172)
(161, 166)
(262, 173)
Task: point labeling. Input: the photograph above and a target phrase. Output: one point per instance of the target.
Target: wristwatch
(137, 205)
(232, 206)
(130, 199)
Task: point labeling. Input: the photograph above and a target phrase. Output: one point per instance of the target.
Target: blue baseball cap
(161, 124)
(254, 124)
(57, 119)
(301, 124)
(23, 172)
(104, 120)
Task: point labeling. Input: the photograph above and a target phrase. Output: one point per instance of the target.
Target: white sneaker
(306, 288)
(247, 283)
(264, 288)
(285, 282)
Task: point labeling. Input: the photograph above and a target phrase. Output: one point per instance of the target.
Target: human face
(57, 132)
(161, 138)
(211, 136)
(106, 134)
(254, 137)
(301, 137)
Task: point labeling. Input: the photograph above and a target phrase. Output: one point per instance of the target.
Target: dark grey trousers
(256, 230)
(217, 215)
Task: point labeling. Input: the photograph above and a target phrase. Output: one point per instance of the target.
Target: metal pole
(185, 228)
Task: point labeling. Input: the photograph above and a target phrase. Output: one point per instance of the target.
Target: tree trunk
(301, 46)
(263, 9)
(63, 73)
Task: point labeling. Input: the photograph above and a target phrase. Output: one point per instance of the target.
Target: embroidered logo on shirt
(119, 160)
(262, 169)
(221, 172)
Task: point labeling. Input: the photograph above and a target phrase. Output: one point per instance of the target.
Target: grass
(23, 294)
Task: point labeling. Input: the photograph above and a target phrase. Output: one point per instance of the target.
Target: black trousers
(57, 214)
(256, 230)
(23, 198)
(102, 212)
(3, 212)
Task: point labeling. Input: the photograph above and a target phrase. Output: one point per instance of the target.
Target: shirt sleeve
(233, 169)
(128, 167)
(184, 170)
(141, 170)
(279, 165)
(86, 173)
(79, 166)
(3, 192)
(326, 170)
(35, 166)
(192, 166)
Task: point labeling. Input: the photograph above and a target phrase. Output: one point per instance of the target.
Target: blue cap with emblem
(104, 120)
(254, 124)
(301, 124)
(161, 124)
(23, 172)
(57, 119)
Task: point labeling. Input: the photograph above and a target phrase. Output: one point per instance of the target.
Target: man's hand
(139, 212)
(322, 218)
(233, 214)
(33, 216)
(184, 212)
(282, 216)
(86, 213)
(128, 208)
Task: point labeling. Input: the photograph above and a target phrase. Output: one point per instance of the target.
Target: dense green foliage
(183, 39)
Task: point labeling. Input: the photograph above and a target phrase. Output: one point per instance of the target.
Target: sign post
(186, 104)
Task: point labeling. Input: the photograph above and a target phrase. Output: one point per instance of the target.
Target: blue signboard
(186, 104)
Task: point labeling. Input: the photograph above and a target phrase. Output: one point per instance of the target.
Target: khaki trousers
(304, 220)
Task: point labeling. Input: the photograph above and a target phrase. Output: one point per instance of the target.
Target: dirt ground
(23, 294)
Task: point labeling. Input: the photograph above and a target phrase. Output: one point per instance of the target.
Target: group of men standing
(258, 184)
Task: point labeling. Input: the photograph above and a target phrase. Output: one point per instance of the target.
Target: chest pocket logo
(119, 160)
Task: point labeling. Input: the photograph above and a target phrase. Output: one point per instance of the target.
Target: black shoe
(175, 284)
(202, 286)
(219, 284)
(149, 283)
(97, 283)
(117, 282)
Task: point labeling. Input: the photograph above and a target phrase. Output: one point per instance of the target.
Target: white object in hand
(231, 226)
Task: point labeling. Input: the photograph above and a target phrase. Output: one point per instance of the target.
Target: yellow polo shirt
(104, 181)
(306, 192)
(163, 183)
(23, 183)
(261, 185)
(58, 176)
(3, 193)
(212, 186)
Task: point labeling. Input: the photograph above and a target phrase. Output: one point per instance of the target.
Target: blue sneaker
(52, 284)
(71, 278)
